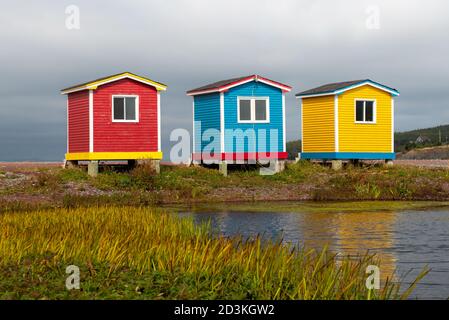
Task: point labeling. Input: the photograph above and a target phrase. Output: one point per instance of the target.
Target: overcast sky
(185, 44)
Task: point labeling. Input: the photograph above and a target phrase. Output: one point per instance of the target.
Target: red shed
(114, 118)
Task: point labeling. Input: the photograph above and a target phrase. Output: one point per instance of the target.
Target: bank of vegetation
(143, 253)
(58, 188)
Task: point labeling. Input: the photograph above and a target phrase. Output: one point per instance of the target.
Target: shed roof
(339, 87)
(100, 81)
(224, 85)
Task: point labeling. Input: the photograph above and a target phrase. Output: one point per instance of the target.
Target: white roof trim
(340, 91)
(92, 86)
(232, 85)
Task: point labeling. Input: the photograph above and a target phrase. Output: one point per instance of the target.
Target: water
(405, 240)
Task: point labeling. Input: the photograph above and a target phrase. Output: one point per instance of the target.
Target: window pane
(119, 108)
(130, 108)
(359, 111)
(245, 109)
(261, 110)
(369, 111)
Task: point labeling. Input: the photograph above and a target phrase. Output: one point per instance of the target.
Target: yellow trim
(113, 155)
(94, 85)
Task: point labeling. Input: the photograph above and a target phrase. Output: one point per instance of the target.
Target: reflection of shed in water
(369, 231)
(352, 234)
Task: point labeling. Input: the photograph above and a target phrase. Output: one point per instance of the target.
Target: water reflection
(402, 240)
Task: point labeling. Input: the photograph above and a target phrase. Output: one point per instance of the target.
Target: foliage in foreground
(126, 252)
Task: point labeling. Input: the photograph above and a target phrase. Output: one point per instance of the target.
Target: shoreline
(47, 185)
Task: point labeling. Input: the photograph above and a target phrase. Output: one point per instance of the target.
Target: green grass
(300, 181)
(135, 253)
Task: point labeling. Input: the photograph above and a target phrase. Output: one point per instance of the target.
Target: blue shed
(239, 120)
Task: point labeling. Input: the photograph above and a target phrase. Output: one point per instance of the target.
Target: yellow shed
(348, 120)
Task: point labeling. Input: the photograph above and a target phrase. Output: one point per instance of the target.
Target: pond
(406, 237)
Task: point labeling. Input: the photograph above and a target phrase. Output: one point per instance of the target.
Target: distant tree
(293, 148)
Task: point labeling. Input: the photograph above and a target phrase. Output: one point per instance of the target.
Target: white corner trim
(222, 124)
(336, 123)
(302, 127)
(284, 147)
(193, 125)
(158, 121)
(91, 121)
(392, 124)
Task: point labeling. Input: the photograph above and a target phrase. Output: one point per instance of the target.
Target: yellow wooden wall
(364, 137)
(318, 124)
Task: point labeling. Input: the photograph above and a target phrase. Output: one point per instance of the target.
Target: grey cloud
(189, 43)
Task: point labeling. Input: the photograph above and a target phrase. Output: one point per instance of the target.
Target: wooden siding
(78, 121)
(318, 124)
(125, 136)
(207, 112)
(364, 137)
(253, 89)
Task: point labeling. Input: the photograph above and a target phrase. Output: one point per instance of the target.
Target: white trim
(136, 105)
(67, 129)
(159, 142)
(193, 125)
(367, 83)
(315, 95)
(222, 124)
(336, 123)
(302, 127)
(91, 121)
(253, 109)
(284, 147)
(347, 89)
(364, 107)
(274, 84)
(254, 78)
(392, 124)
(100, 83)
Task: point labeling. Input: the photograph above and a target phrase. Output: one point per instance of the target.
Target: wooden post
(223, 168)
(92, 168)
(337, 165)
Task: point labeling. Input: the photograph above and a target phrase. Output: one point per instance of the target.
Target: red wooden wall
(125, 136)
(78, 118)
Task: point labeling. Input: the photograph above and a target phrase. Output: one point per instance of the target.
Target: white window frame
(253, 109)
(364, 111)
(125, 96)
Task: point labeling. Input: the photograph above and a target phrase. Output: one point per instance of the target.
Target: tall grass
(145, 242)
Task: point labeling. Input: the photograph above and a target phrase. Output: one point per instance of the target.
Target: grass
(128, 252)
(188, 185)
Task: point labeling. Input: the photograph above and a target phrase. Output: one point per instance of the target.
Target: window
(365, 111)
(125, 108)
(253, 110)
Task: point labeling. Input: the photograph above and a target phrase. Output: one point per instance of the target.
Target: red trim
(284, 87)
(241, 156)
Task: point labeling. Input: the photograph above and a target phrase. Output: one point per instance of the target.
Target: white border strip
(222, 124)
(159, 142)
(284, 148)
(193, 126)
(392, 124)
(336, 123)
(91, 121)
